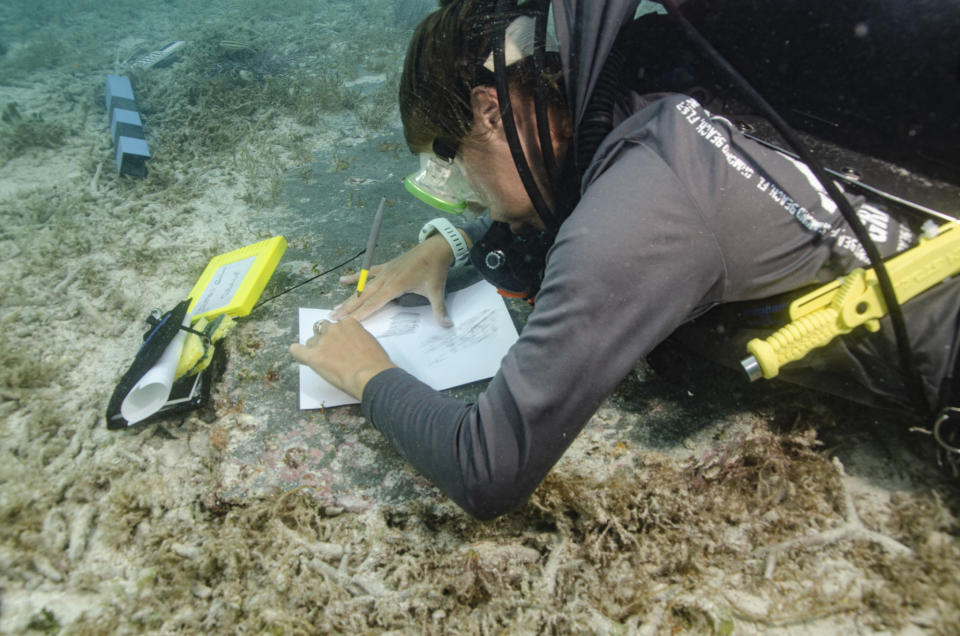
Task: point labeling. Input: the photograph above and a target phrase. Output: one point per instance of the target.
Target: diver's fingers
(369, 306)
(359, 306)
(347, 307)
(440, 313)
(351, 279)
(435, 294)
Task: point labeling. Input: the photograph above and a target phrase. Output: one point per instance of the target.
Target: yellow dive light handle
(853, 300)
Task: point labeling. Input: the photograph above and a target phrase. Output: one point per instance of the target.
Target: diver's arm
(604, 304)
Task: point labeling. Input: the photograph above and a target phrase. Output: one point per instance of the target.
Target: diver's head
(448, 60)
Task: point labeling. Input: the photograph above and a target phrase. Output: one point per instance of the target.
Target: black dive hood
(881, 77)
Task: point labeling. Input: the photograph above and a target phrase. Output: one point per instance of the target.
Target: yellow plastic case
(232, 282)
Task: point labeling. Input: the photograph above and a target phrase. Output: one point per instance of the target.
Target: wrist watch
(461, 253)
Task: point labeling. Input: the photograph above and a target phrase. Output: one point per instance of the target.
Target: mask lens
(440, 184)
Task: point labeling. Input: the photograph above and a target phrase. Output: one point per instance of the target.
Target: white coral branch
(852, 528)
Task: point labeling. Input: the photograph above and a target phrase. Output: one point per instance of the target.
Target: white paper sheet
(441, 357)
(150, 394)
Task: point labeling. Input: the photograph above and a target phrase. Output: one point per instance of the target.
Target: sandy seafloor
(691, 503)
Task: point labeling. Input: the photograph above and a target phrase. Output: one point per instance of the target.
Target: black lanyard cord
(302, 283)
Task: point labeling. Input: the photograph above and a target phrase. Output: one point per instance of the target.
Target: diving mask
(441, 184)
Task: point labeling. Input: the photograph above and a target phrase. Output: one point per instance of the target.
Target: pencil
(371, 243)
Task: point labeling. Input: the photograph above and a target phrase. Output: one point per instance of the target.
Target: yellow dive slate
(232, 282)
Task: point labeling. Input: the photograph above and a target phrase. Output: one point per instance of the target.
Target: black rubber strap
(510, 126)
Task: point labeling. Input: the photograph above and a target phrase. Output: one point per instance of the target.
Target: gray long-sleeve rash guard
(679, 213)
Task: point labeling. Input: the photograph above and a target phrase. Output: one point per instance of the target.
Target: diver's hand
(344, 354)
(422, 270)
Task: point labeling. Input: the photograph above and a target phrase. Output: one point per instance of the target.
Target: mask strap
(510, 127)
(539, 100)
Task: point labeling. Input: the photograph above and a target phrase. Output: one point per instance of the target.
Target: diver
(642, 216)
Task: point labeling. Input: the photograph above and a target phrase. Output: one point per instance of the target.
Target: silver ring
(319, 326)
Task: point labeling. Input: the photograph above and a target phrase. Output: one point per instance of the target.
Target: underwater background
(678, 509)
